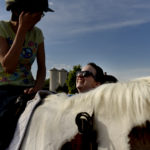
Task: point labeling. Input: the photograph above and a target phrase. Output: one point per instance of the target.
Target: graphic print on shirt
(27, 53)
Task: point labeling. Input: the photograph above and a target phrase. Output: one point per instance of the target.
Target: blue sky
(115, 34)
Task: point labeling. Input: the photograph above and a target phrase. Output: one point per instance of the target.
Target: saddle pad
(24, 120)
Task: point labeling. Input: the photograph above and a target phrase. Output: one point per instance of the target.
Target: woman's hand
(27, 20)
(32, 90)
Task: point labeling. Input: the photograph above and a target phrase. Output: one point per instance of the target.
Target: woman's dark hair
(99, 77)
(110, 79)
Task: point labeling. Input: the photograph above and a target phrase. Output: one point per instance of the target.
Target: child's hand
(31, 90)
(27, 20)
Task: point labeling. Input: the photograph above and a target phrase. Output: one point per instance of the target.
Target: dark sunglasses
(85, 74)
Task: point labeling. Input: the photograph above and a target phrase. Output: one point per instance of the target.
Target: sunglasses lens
(87, 73)
(84, 73)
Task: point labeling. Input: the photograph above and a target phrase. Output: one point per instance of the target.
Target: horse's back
(117, 108)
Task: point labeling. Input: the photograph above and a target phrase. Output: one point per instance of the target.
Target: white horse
(120, 114)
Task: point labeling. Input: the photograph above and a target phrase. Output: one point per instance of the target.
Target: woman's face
(84, 84)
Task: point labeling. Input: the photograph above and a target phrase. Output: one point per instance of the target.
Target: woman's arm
(9, 56)
(41, 72)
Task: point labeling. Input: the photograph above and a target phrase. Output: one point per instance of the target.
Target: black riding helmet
(28, 5)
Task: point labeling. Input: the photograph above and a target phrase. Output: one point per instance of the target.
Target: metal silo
(62, 76)
(54, 79)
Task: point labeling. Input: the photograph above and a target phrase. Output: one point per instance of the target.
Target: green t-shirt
(22, 76)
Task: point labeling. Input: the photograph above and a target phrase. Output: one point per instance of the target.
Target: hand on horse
(32, 90)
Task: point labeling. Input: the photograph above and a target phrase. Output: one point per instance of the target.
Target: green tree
(63, 88)
(71, 79)
(46, 84)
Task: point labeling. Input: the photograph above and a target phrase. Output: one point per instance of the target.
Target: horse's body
(117, 108)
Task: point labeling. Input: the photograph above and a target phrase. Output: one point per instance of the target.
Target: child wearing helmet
(21, 42)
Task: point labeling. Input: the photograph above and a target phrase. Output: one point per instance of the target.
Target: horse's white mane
(117, 107)
(129, 99)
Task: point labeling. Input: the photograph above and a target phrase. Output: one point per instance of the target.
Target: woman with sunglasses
(89, 78)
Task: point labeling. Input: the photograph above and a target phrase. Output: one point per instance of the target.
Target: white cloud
(62, 66)
(75, 17)
(108, 26)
